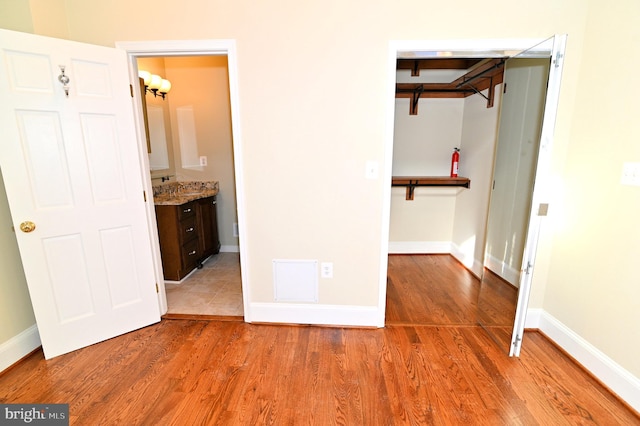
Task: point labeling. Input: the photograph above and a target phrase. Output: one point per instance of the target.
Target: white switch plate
(371, 171)
(203, 160)
(630, 174)
(326, 270)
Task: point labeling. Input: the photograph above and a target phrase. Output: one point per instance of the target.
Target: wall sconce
(154, 83)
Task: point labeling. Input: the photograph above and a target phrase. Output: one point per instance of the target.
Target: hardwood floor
(190, 372)
(430, 290)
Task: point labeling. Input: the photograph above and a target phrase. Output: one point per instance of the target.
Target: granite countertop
(177, 193)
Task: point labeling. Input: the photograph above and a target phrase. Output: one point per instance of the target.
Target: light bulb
(156, 82)
(165, 86)
(146, 76)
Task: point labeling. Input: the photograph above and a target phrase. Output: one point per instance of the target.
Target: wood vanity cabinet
(188, 234)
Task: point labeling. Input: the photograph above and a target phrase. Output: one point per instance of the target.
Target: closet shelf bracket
(412, 182)
(417, 92)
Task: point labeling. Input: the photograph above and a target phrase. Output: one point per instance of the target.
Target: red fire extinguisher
(455, 158)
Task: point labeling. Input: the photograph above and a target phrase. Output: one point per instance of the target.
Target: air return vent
(295, 280)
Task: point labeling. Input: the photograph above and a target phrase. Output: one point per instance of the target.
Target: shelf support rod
(417, 92)
(478, 92)
(480, 74)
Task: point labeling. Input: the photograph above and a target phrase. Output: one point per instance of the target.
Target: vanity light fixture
(155, 84)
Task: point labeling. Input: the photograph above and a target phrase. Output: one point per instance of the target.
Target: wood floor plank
(430, 290)
(187, 371)
(260, 374)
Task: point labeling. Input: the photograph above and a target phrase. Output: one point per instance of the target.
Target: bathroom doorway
(182, 61)
(191, 140)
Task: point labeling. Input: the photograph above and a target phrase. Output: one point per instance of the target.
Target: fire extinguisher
(455, 158)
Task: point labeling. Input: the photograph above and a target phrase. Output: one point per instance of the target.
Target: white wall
(479, 133)
(422, 146)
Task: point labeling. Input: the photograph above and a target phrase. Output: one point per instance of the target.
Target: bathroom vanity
(187, 226)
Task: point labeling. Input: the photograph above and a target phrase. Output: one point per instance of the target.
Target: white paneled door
(73, 176)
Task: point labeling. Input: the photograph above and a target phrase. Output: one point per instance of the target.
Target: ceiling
(468, 76)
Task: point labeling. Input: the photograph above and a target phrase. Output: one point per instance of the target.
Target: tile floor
(215, 289)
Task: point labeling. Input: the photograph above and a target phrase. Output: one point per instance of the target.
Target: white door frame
(140, 49)
(428, 48)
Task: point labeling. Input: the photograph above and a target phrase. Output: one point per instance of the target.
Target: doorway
(467, 247)
(190, 139)
(139, 50)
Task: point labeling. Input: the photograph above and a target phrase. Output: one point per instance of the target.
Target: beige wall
(43, 17)
(593, 285)
(16, 314)
(312, 112)
(16, 15)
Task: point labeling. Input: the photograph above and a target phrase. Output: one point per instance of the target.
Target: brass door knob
(27, 226)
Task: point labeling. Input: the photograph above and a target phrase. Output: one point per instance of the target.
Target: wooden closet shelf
(411, 182)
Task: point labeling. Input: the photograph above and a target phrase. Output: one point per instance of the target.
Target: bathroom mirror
(517, 153)
(161, 155)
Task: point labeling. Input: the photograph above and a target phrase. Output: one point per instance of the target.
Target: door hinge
(558, 59)
(516, 343)
(504, 88)
(144, 195)
(157, 289)
(527, 269)
(131, 89)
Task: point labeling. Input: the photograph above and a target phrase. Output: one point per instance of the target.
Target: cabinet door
(209, 240)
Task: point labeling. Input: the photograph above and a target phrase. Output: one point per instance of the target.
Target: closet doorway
(422, 148)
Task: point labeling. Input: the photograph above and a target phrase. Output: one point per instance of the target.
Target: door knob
(27, 226)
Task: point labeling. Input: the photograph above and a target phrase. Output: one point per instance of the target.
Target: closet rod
(498, 65)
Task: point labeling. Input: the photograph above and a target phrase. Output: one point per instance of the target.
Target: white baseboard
(474, 265)
(505, 271)
(292, 313)
(18, 346)
(229, 249)
(436, 247)
(533, 318)
(615, 377)
(419, 247)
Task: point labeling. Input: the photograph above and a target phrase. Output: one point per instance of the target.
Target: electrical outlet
(235, 229)
(203, 160)
(326, 270)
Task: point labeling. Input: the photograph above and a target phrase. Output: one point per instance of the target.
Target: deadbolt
(27, 226)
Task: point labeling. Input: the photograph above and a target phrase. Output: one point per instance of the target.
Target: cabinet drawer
(186, 211)
(190, 254)
(189, 229)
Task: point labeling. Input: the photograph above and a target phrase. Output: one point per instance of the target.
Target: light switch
(543, 209)
(630, 174)
(371, 171)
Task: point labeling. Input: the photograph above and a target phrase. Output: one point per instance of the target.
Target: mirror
(516, 158)
(161, 155)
